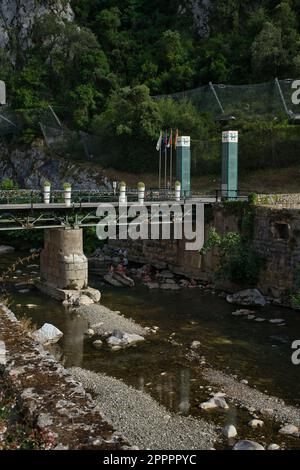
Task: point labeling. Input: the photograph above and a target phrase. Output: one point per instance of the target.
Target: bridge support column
(63, 265)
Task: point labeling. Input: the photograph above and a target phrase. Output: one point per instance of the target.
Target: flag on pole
(166, 140)
(176, 138)
(170, 142)
(159, 142)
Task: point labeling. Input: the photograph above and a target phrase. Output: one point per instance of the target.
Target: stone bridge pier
(64, 266)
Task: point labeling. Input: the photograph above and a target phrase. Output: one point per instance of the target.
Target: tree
(267, 52)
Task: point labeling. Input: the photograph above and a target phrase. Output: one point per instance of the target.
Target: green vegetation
(99, 77)
(8, 184)
(238, 262)
(295, 296)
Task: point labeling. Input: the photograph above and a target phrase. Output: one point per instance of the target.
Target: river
(258, 352)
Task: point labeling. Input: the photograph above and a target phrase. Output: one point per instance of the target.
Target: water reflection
(73, 340)
(184, 404)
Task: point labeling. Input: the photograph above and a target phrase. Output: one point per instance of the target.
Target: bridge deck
(94, 205)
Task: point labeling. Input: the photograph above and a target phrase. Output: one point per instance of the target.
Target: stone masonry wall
(276, 238)
(63, 263)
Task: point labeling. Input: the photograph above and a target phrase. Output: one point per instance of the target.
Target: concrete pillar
(183, 164)
(230, 144)
(63, 263)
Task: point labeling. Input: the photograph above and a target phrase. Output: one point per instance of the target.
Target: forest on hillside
(100, 71)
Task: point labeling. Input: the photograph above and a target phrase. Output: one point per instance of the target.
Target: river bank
(54, 406)
(164, 366)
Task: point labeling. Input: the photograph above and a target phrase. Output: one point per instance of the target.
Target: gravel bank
(249, 397)
(103, 320)
(141, 419)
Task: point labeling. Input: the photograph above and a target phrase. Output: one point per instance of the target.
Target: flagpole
(171, 163)
(166, 167)
(159, 171)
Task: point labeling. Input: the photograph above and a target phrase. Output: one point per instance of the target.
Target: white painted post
(141, 193)
(177, 191)
(122, 190)
(2, 93)
(67, 194)
(47, 190)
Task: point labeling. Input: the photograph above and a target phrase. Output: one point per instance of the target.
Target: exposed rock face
(248, 297)
(32, 167)
(200, 10)
(17, 18)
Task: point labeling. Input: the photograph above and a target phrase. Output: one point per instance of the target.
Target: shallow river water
(258, 352)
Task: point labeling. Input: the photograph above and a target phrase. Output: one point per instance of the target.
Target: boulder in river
(289, 430)
(6, 249)
(247, 298)
(215, 402)
(229, 431)
(248, 445)
(48, 334)
(120, 339)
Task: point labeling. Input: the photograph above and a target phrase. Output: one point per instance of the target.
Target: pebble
(89, 333)
(255, 423)
(273, 447)
(98, 344)
(277, 321)
(195, 344)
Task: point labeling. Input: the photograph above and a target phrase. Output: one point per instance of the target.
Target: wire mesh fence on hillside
(247, 102)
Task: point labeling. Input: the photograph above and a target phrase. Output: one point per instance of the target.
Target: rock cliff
(31, 167)
(17, 18)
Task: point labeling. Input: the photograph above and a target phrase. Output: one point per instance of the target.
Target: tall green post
(230, 142)
(183, 164)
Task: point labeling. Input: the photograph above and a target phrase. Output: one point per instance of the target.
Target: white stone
(48, 334)
(229, 431)
(215, 402)
(289, 430)
(273, 447)
(114, 341)
(98, 344)
(2, 354)
(85, 300)
(255, 423)
(248, 445)
(195, 344)
(90, 333)
(131, 338)
(276, 321)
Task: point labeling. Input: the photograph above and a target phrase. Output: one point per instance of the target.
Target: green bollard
(230, 144)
